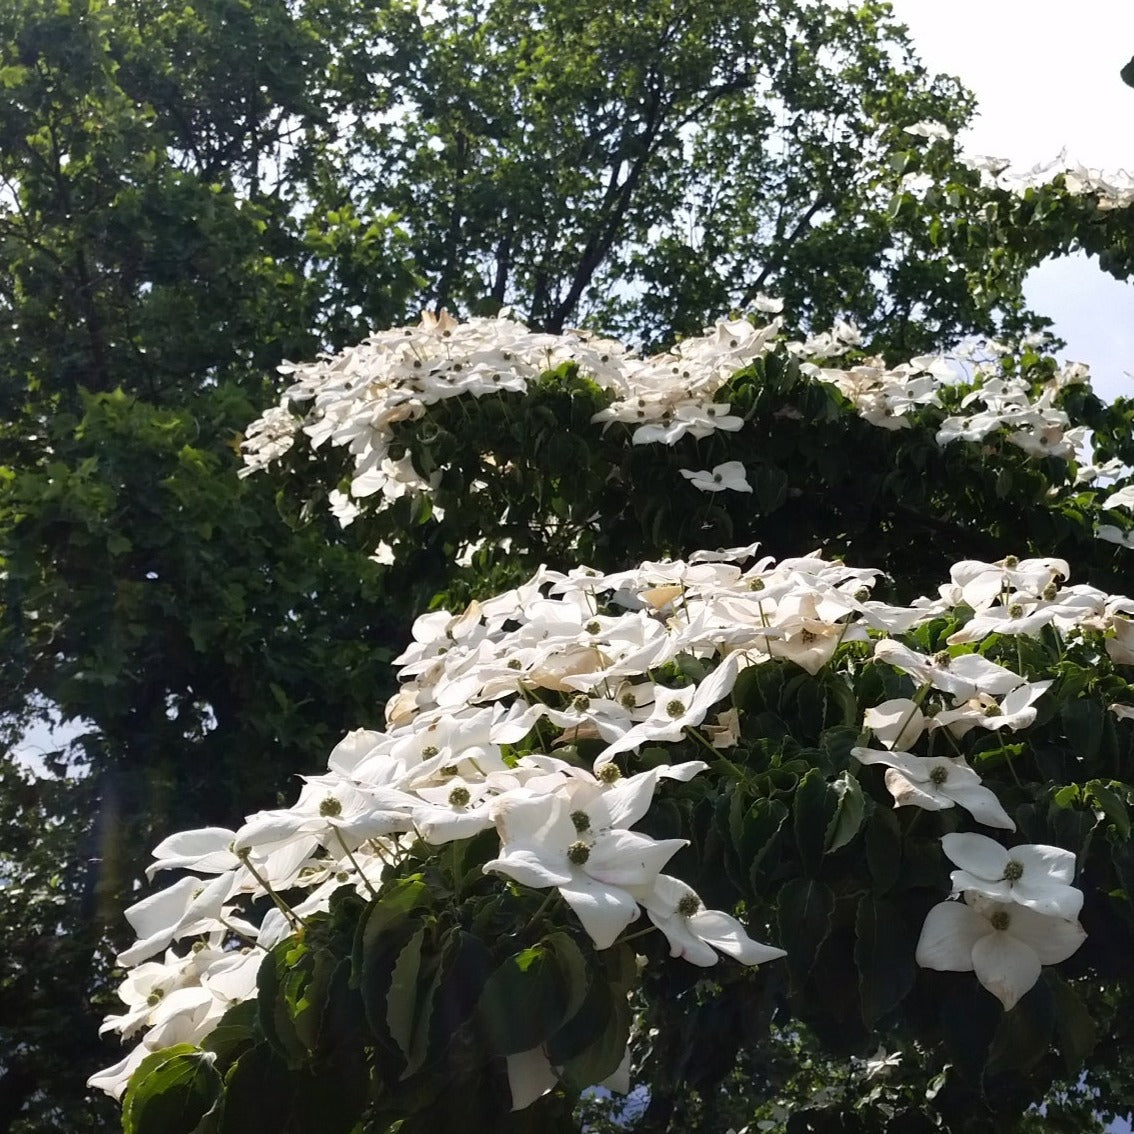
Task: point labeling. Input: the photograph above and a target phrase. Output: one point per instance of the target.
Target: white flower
(935, 783)
(927, 128)
(964, 676)
(881, 1064)
(729, 475)
(1003, 943)
(1036, 876)
(545, 844)
(694, 932)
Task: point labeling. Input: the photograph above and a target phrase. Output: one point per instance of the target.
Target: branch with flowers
(600, 787)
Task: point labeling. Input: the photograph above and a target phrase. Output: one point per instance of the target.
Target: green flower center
(592, 627)
(429, 751)
(688, 905)
(1011, 562)
(999, 920)
(942, 659)
(675, 709)
(808, 636)
(459, 796)
(608, 773)
(578, 853)
(756, 585)
(330, 807)
(938, 774)
(1013, 871)
(515, 663)
(581, 820)
(1015, 611)
(581, 703)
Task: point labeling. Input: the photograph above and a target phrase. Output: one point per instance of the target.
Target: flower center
(756, 585)
(675, 709)
(581, 703)
(1013, 871)
(608, 773)
(581, 820)
(429, 751)
(1015, 611)
(459, 797)
(578, 853)
(808, 636)
(938, 774)
(592, 627)
(941, 658)
(688, 905)
(330, 807)
(999, 920)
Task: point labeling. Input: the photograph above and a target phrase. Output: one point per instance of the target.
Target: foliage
(193, 194)
(1019, 674)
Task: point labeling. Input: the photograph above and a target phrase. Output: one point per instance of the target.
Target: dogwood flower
(935, 783)
(1035, 876)
(728, 475)
(694, 932)
(544, 843)
(1004, 943)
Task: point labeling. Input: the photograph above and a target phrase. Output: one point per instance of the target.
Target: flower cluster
(358, 398)
(1112, 190)
(485, 735)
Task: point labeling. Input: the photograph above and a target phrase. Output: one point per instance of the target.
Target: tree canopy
(194, 194)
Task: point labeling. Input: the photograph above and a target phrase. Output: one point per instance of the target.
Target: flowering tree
(170, 231)
(626, 823)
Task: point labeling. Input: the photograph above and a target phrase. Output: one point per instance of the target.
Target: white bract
(1005, 944)
(1035, 876)
(500, 701)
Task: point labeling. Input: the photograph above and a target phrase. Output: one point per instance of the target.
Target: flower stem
(292, 918)
(354, 863)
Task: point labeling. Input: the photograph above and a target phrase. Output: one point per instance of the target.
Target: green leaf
(1074, 1028)
(1109, 802)
(532, 979)
(172, 1091)
(402, 1008)
(803, 913)
(849, 812)
(884, 955)
(1024, 1034)
(812, 813)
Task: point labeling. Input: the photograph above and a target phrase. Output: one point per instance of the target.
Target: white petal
(1053, 939)
(948, 936)
(729, 936)
(977, 854)
(529, 1077)
(1005, 965)
(907, 794)
(530, 866)
(625, 858)
(982, 804)
(1043, 861)
(605, 911)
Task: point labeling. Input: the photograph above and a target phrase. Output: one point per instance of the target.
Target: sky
(1045, 74)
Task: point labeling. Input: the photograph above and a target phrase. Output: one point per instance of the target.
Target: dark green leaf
(171, 1092)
